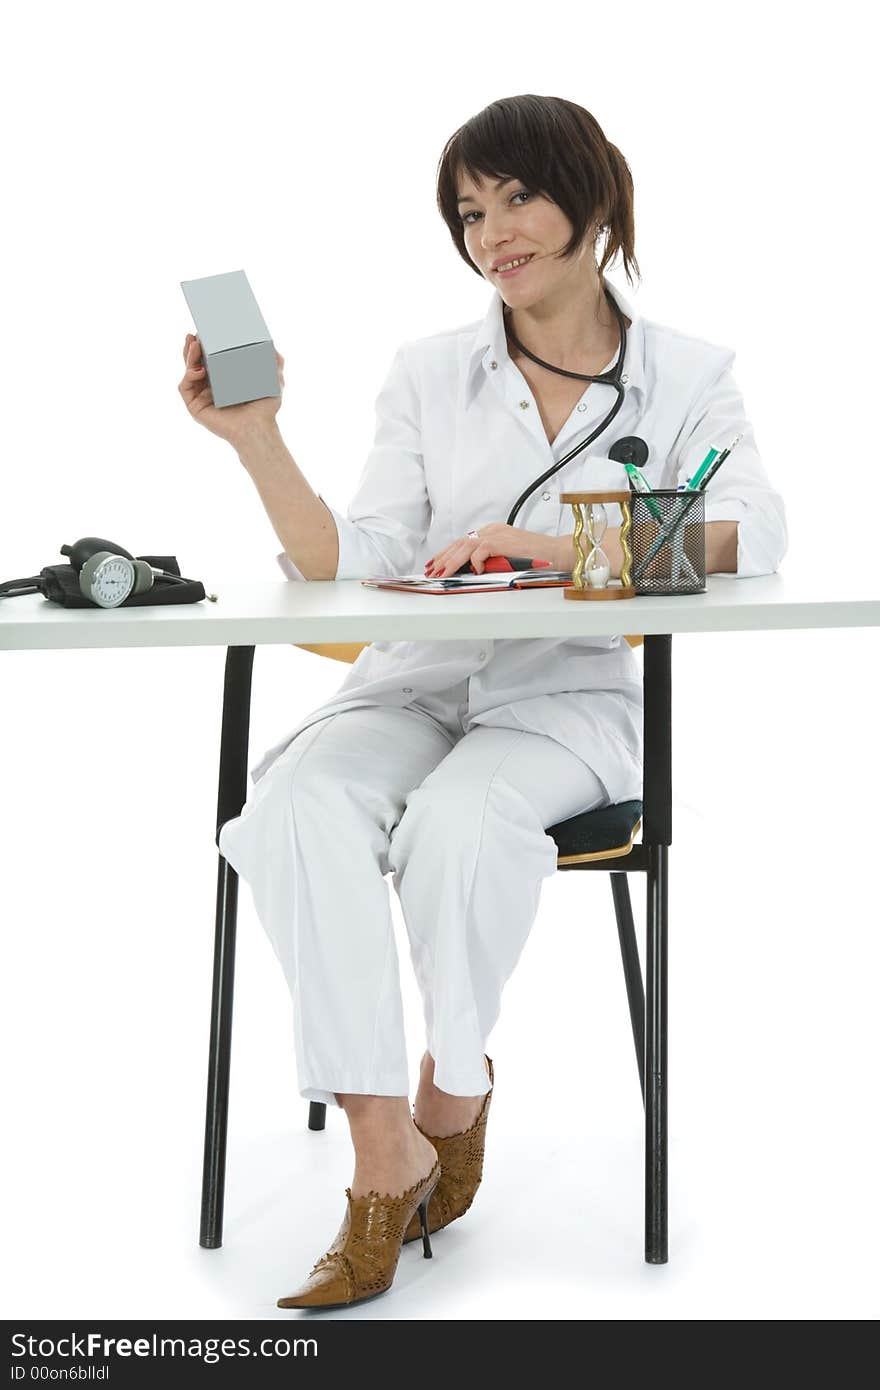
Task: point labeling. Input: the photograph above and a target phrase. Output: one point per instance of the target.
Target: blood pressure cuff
(60, 583)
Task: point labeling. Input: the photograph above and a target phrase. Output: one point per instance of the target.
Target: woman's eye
(522, 193)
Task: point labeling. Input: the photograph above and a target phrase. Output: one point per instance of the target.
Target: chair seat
(600, 834)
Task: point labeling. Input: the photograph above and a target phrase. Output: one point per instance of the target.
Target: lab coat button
(523, 405)
(407, 690)
(582, 406)
(482, 656)
(546, 496)
(493, 365)
(624, 377)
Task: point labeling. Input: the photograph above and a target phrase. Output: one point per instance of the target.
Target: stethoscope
(628, 450)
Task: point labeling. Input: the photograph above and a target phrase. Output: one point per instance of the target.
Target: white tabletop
(347, 611)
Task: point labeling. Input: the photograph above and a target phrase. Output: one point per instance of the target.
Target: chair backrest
(350, 651)
(337, 651)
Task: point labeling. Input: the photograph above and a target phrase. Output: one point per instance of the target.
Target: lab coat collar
(489, 343)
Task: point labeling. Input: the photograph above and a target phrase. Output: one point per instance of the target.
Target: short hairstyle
(555, 148)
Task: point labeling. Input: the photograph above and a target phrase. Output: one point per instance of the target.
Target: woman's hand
(494, 539)
(229, 422)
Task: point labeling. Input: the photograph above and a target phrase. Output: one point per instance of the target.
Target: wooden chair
(594, 840)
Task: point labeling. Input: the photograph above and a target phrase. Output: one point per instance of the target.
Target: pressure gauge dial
(108, 579)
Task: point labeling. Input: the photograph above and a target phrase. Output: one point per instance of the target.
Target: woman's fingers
(192, 356)
(451, 560)
(194, 376)
(455, 555)
(192, 351)
(438, 561)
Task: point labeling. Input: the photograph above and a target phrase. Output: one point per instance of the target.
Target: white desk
(346, 611)
(247, 616)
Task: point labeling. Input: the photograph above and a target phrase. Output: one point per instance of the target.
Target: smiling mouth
(501, 270)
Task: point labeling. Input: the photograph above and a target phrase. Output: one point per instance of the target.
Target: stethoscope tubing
(613, 377)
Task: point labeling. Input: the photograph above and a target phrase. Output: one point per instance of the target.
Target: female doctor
(444, 763)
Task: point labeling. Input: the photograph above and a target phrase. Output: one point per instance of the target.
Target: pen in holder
(591, 572)
(669, 542)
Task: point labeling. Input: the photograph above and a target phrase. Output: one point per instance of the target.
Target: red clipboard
(472, 584)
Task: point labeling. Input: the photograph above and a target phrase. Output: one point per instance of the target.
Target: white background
(186, 141)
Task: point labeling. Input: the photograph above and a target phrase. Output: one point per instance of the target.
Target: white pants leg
(462, 826)
(469, 856)
(312, 843)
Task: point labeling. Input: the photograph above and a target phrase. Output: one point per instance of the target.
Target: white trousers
(459, 819)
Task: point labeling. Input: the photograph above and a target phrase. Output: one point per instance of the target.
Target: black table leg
(656, 1174)
(232, 794)
(657, 837)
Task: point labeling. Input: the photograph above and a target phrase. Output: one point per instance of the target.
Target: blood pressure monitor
(107, 579)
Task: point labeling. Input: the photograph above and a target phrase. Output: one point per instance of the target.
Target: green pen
(640, 484)
(703, 469)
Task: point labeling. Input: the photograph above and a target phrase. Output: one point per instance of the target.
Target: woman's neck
(571, 330)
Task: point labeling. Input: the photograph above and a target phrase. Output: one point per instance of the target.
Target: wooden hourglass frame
(613, 589)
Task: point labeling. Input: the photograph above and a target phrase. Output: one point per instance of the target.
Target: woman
(444, 763)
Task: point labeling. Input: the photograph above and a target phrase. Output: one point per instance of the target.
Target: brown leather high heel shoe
(461, 1169)
(362, 1261)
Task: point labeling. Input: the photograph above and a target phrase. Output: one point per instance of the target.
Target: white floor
(107, 898)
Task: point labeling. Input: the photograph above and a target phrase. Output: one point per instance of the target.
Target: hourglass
(592, 571)
(597, 568)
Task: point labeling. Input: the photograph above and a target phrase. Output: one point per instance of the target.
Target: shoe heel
(423, 1222)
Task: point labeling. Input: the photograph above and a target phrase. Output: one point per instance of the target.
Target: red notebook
(501, 573)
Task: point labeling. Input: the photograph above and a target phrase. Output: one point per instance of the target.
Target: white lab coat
(459, 437)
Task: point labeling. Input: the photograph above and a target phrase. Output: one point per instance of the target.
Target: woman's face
(503, 220)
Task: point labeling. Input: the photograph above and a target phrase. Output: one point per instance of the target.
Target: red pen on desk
(497, 564)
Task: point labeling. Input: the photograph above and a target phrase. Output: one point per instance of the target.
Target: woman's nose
(495, 234)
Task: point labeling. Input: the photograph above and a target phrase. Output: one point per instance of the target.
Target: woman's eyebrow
(499, 183)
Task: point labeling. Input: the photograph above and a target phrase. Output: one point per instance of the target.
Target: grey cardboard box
(237, 351)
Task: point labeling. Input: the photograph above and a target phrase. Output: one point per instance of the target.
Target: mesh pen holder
(668, 541)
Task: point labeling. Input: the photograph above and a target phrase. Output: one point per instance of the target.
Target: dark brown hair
(555, 148)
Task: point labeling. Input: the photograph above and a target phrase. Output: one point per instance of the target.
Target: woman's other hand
(231, 422)
(495, 539)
